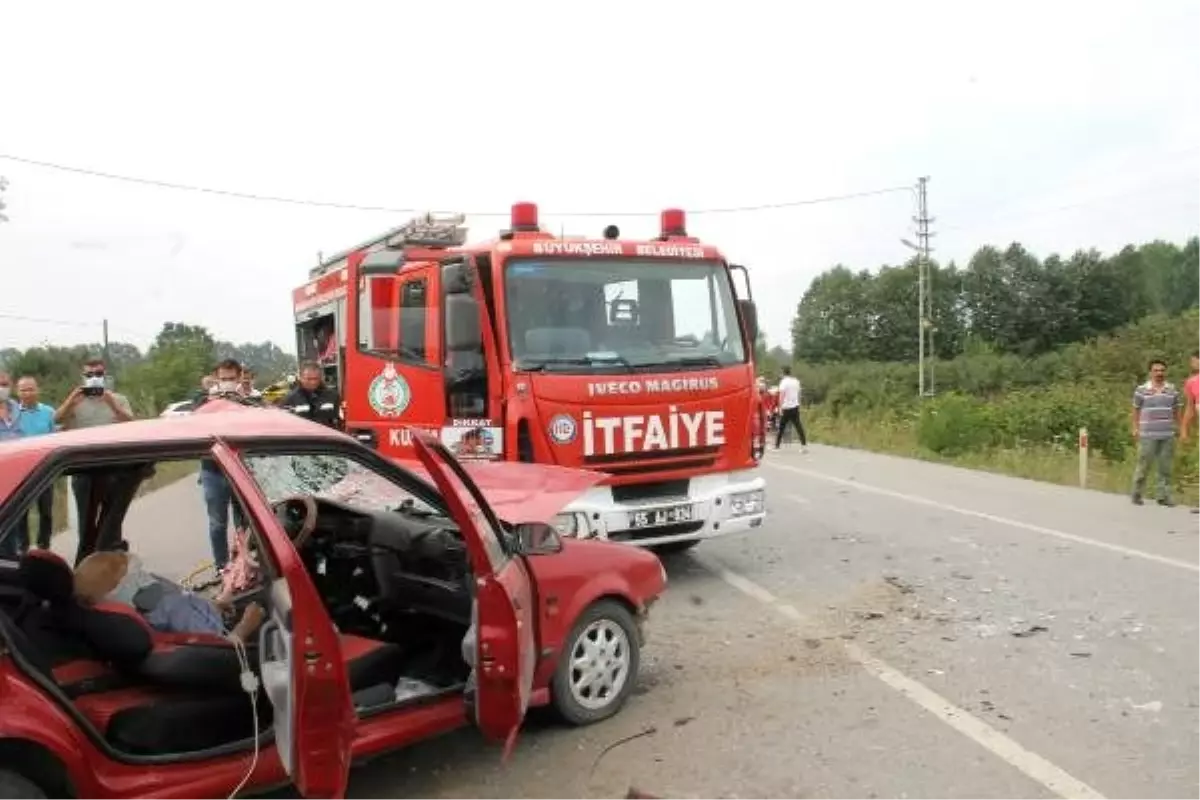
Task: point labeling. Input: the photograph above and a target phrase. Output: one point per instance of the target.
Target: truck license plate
(657, 517)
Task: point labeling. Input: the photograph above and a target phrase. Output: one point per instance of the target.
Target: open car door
(302, 670)
(504, 609)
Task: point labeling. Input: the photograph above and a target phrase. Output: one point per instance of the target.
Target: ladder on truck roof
(429, 230)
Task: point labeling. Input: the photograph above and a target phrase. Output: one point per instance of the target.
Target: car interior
(395, 581)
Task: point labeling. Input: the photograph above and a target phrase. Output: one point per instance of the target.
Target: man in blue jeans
(218, 494)
(36, 419)
(10, 416)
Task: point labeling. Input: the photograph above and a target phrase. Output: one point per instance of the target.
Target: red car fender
(561, 606)
(32, 717)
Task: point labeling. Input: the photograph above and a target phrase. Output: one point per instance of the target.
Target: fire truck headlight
(745, 504)
(571, 524)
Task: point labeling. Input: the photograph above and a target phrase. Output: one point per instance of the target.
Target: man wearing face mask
(88, 406)
(218, 495)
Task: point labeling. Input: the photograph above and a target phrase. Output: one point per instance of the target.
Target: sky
(1060, 125)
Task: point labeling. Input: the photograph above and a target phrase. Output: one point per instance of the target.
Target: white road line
(1033, 766)
(798, 499)
(1015, 523)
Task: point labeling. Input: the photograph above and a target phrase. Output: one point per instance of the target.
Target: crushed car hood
(520, 492)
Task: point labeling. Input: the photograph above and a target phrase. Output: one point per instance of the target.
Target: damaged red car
(397, 604)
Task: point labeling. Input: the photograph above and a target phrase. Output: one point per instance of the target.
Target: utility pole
(925, 378)
(104, 345)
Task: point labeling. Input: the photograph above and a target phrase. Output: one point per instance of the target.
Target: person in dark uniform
(312, 399)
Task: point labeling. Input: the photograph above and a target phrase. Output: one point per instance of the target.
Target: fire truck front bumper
(714, 505)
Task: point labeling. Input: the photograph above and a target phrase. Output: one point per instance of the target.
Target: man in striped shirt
(1157, 406)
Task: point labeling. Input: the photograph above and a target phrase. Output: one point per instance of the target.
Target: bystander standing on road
(88, 406)
(312, 399)
(10, 430)
(36, 419)
(789, 409)
(9, 410)
(207, 384)
(1155, 422)
(218, 494)
(1191, 399)
(248, 383)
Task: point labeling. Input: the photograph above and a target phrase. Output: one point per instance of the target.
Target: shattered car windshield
(329, 477)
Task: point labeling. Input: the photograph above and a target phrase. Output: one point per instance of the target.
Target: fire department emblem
(389, 394)
(563, 428)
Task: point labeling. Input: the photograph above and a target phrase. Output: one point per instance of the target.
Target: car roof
(219, 419)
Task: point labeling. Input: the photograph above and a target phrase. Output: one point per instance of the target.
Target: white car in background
(183, 408)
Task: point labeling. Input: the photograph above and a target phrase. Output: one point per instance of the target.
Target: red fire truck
(633, 358)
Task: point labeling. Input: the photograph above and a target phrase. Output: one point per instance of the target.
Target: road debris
(1024, 633)
(650, 731)
(1154, 706)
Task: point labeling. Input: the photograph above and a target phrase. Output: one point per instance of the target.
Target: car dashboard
(374, 568)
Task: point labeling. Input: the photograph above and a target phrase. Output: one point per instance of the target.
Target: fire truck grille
(651, 492)
(649, 533)
(653, 461)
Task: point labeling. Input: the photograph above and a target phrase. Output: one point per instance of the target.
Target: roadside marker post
(1083, 458)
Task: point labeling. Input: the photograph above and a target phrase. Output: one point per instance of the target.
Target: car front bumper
(720, 504)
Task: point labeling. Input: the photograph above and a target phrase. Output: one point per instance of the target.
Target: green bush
(953, 424)
(1003, 410)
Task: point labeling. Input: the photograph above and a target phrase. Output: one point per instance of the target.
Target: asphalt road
(897, 629)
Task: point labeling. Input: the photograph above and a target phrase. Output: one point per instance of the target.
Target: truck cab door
(504, 608)
(394, 374)
(474, 425)
(301, 667)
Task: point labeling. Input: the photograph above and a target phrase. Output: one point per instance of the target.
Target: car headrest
(46, 576)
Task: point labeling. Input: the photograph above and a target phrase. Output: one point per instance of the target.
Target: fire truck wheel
(14, 784)
(599, 664)
(670, 548)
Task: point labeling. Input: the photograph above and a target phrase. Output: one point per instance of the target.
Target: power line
(48, 321)
(386, 209)
(97, 325)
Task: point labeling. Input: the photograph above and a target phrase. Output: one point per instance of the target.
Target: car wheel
(15, 785)
(671, 548)
(599, 664)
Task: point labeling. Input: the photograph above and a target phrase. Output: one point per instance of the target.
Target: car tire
(672, 548)
(15, 785)
(604, 621)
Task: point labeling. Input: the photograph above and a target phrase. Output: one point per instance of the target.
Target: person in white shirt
(789, 408)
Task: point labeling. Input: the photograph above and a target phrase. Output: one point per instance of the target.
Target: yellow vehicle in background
(278, 390)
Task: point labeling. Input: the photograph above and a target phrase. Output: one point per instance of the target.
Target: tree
(832, 320)
(1008, 301)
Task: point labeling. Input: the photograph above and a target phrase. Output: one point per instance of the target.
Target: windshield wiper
(688, 361)
(540, 364)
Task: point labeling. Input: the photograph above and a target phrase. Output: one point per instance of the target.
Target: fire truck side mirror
(750, 315)
(464, 332)
(382, 262)
(456, 278)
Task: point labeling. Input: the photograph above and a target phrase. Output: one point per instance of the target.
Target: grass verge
(1047, 463)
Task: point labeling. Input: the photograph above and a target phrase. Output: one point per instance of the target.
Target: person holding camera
(87, 406)
(218, 494)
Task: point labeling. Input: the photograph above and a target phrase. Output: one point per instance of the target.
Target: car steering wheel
(308, 522)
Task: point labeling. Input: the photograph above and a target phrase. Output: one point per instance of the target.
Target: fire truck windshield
(620, 314)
